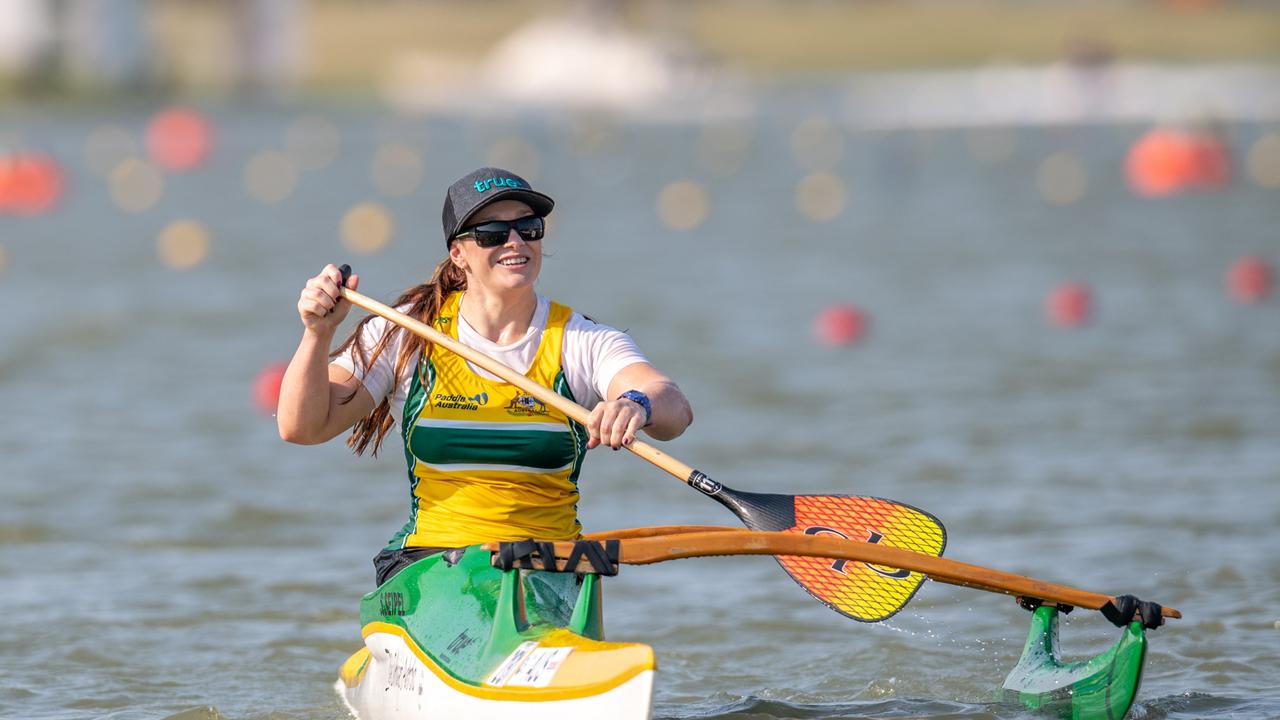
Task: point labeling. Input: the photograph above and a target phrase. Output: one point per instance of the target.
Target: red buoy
(1162, 162)
(840, 324)
(179, 139)
(1069, 305)
(266, 387)
(30, 184)
(1250, 278)
(1211, 160)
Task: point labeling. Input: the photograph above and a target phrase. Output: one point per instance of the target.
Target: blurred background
(1010, 261)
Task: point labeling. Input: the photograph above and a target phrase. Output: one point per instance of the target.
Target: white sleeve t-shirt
(592, 355)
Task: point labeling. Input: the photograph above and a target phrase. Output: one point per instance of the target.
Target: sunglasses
(494, 233)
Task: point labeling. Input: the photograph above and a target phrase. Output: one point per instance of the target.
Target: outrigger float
(515, 629)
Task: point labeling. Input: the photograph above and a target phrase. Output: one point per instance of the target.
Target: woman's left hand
(615, 423)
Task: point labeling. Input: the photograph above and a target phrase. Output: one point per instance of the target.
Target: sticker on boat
(509, 666)
(529, 666)
(540, 667)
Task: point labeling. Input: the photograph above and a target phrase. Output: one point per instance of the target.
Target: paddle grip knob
(345, 269)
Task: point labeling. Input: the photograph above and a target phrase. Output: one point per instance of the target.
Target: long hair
(424, 302)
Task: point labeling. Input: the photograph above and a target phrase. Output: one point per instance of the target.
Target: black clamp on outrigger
(1031, 603)
(602, 555)
(1121, 610)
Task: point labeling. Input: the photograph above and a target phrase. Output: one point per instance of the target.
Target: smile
(514, 261)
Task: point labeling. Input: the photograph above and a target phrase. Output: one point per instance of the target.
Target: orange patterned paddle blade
(862, 591)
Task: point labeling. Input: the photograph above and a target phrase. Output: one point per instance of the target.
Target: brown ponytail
(424, 302)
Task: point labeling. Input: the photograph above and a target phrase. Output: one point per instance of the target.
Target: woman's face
(507, 267)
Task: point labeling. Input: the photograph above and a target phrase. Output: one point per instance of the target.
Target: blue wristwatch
(642, 400)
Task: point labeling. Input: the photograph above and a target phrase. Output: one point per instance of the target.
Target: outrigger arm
(1102, 687)
(643, 546)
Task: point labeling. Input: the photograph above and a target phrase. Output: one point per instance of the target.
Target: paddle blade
(862, 591)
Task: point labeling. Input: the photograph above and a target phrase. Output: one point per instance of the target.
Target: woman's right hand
(320, 305)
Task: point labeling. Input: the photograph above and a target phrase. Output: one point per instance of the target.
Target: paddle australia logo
(498, 182)
(460, 402)
(526, 406)
(873, 538)
(391, 603)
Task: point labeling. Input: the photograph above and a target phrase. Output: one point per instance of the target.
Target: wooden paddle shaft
(637, 547)
(546, 395)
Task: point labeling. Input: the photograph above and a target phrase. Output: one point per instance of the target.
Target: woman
(485, 461)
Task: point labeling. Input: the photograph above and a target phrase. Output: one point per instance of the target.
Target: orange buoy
(1250, 278)
(179, 139)
(30, 184)
(266, 387)
(1069, 305)
(1162, 162)
(840, 324)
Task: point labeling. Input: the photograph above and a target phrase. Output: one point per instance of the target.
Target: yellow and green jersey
(485, 460)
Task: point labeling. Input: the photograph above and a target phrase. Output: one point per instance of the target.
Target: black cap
(481, 187)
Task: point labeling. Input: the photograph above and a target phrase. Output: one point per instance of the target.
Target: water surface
(164, 554)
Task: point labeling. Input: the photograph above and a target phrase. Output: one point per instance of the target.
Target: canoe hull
(401, 687)
(462, 639)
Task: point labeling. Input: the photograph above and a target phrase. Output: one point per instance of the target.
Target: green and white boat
(453, 637)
